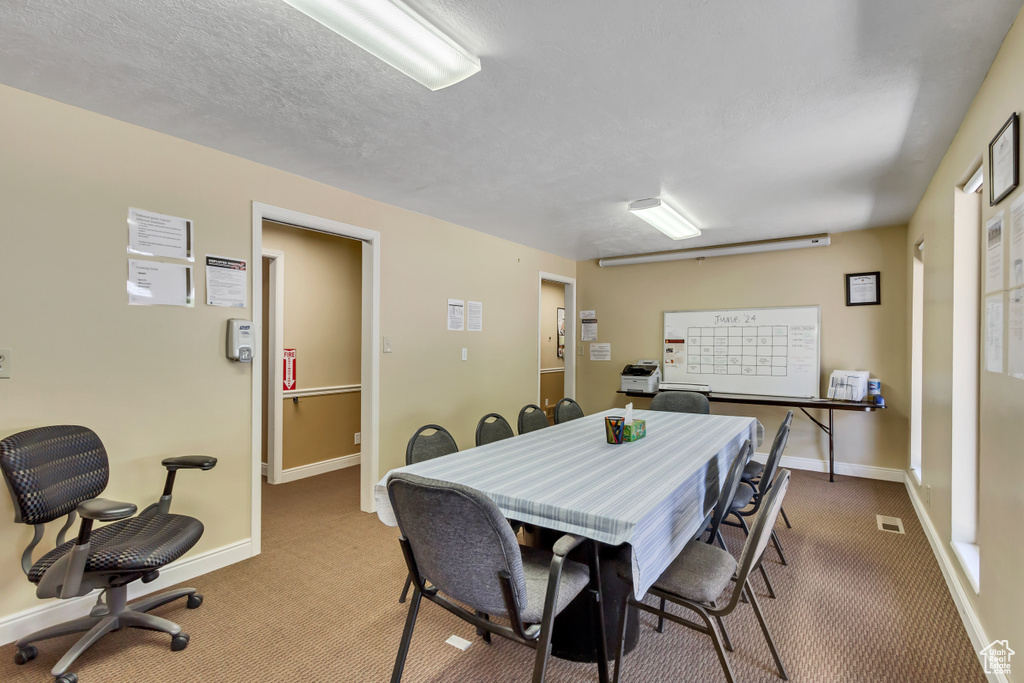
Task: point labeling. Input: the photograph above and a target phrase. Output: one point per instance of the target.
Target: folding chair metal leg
(598, 607)
(778, 547)
(767, 582)
(661, 620)
(767, 634)
(785, 518)
(403, 648)
(482, 632)
(719, 649)
(405, 591)
(620, 646)
(743, 525)
(725, 634)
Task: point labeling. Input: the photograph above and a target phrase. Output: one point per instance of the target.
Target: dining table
(649, 497)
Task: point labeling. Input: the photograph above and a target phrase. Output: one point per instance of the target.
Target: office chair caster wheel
(26, 654)
(178, 642)
(194, 601)
(66, 678)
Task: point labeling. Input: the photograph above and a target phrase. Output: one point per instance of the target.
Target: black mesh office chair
(56, 471)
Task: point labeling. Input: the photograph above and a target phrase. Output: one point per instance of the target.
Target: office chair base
(111, 613)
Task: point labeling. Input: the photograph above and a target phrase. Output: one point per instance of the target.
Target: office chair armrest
(566, 544)
(103, 510)
(189, 462)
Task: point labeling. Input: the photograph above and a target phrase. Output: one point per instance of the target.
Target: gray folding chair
(531, 418)
(458, 545)
(492, 427)
(752, 472)
(61, 470)
(724, 502)
(700, 574)
(681, 402)
(566, 410)
(428, 442)
(749, 499)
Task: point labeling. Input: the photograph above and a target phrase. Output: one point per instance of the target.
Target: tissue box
(635, 430)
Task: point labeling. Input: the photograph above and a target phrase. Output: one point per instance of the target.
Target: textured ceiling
(757, 119)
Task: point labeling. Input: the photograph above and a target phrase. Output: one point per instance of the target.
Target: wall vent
(891, 524)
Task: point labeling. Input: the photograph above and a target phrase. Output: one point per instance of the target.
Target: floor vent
(891, 524)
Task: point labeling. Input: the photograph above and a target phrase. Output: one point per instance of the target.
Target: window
(967, 235)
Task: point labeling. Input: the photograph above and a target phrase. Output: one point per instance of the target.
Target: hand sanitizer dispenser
(240, 340)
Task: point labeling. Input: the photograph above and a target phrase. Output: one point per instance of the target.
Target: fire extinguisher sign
(289, 369)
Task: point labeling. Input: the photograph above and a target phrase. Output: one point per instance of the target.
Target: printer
(644, 376)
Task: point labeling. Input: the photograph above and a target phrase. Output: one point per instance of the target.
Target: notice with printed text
(456, 314)
(994, 253)
(151, 283)
(994, 333)
(154, 234)
(225, 281)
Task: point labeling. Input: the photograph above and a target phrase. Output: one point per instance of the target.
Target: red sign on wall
(289, 369)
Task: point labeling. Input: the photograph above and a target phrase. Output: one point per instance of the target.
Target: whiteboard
(767, 351)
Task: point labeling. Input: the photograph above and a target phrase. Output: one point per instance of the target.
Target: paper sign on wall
(225, 281)
(154, 234)
(152, 283)
(474, 316)
(994, 253)
(994, 333)
(1016, 336)
(456, 314)
(601, 351)
(1017, 243)
(288, 373)
(589, 330)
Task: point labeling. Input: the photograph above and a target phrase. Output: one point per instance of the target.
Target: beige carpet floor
(321, 604)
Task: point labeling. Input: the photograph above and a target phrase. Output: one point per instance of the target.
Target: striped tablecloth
(652, 494)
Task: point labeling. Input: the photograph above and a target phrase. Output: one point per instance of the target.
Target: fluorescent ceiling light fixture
(664, 218)
(391, 31)
(724, 250)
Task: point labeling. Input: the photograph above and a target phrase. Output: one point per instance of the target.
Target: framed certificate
(1002, 161)
(864, 289)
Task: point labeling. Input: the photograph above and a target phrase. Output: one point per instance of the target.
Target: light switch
(5, 363)
(387, 344)
(579, 350)
(464, 356)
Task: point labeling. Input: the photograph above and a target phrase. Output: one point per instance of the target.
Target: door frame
(275, 321)
(369, 459)
(570, 330)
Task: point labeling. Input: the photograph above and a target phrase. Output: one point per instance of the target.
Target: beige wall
(630, 300)
(552, 385)
(1000, 603)
(323, 323)
(154, 382)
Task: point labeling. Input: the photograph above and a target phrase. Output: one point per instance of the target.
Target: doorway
(311, 423)
(556, 342)
(369, 353)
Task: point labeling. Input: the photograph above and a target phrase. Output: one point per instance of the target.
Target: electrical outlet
(464, 354)
(5, 363)
(928, 495)
(359, 438)
(387, 344)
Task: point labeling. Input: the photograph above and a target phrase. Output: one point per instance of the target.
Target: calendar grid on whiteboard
(771, 351)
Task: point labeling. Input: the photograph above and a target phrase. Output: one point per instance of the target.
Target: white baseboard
(56, 611)
(963, 605)
(844, 468)
(313, 469)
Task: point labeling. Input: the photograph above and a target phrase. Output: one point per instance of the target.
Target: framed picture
(864, 289)
(1003, 153)
(561, 332)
